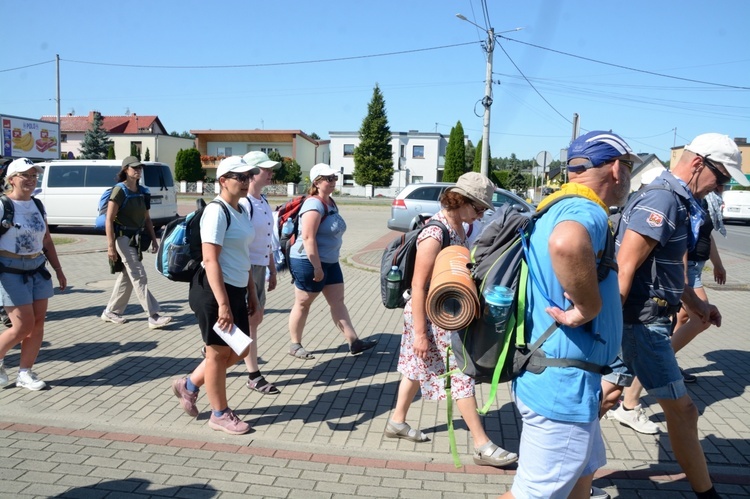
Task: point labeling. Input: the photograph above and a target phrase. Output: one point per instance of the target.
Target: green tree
(373, 157)
(314, 136)
(111, 152)
(455, 154)
(469, 157)
(147, 156)
(95, 142)
(134, 151)
(187, 165)
(516, 180)
(184, 134)
(478, 157)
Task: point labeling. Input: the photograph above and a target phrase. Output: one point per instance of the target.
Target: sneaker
(687, 377)
(597, 493)
(228, 423)
(108, 316)
(157, 321)
(187, 398)
(28, 379)
(635, 419)
(3, 375)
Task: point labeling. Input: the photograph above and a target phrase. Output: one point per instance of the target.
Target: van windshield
(158, 176)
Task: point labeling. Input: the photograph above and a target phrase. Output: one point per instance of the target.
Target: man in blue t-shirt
(561, 444)
(658, 227)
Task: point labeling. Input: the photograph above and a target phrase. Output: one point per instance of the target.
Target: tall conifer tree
(373, 157)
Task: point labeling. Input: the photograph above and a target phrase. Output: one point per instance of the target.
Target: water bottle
(393, 287)
(287, 228)
(498, 300)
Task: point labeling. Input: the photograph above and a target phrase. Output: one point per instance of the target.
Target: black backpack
(9, 211)
(401, 252)
(499, 257)
(180, 253)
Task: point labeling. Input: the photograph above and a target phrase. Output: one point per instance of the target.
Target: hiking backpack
(500, 257)
(402, 252)
(180, 253)
(287, 225)
(101, 219)
(9, 211)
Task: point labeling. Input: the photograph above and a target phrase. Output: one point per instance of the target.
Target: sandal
(491, 455)
(300, 353)
(358, 346)
(406, 432)
(262, 386)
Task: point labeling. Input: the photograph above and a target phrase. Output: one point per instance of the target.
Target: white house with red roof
(142, 132)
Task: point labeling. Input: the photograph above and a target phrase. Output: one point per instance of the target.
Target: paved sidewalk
(109, 425)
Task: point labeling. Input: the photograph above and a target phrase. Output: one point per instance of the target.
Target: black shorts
(203, 303)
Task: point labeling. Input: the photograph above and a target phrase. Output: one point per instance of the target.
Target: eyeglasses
(480, 210)
(28, 176)
(240, 177)
(721, 178)
(628, 164)
(139, 167)
(328, 178)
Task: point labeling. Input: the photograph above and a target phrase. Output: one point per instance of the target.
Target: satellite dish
(543, 159)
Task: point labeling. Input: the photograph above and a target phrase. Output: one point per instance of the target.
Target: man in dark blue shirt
(658, 227)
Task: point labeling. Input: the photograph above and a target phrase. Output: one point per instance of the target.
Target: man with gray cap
(561, 443)
(658, 227)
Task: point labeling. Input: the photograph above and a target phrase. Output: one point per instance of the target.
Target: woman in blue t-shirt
(314, 264)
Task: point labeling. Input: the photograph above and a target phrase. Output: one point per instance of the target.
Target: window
(348, 179)
(223, 151)
(348, 149)
(267, 150)
(426, 193)
(138, 146)
(402, 152)
(63, 137)
(417, 179)
(417, 152)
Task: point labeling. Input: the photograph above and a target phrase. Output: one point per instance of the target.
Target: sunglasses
(628, 164)
(139, 167)
(721, 178)
(240, 177)
(479, 209)
(328, 178)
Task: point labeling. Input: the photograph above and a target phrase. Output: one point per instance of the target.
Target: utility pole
(59, 125)
(487, 99)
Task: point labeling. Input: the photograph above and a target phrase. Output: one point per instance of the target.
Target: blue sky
(103, 47)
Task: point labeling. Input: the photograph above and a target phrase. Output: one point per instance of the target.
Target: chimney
(740, 141)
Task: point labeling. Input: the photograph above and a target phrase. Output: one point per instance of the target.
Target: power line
(620, 66)
(531, 84)
(27, 66)
(269, 64)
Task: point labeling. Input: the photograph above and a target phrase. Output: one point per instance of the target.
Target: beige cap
(476, 187)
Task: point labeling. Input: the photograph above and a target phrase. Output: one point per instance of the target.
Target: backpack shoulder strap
(39, 206)
(8, 211)
(446, 232)
(250, 203)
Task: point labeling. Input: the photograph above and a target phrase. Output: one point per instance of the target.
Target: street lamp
(487, 100)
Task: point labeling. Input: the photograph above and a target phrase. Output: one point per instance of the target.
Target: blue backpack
(101, 219)
(180, 254)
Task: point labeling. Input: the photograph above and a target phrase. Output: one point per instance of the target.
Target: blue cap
(599, 147)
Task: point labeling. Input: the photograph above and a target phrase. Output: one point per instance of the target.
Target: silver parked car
(417, 202)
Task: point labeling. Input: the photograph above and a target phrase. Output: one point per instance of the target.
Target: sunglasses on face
(240, 177)
(628, 164)
(721, 178)
(479, 209)
(139, 167)
(328, 178)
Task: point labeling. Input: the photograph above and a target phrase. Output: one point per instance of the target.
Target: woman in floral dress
(424, 345)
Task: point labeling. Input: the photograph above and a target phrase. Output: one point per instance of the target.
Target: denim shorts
(694, 271)
(14, 292)
(647, 353)
(553, 455)
(303, 273)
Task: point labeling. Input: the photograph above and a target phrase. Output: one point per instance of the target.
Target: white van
(736, 206)
(71, 188)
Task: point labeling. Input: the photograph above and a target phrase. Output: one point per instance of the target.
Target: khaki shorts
(259, 279)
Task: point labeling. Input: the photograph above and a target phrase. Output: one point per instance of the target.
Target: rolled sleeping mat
(452, 301)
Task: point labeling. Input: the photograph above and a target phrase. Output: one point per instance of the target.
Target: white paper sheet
(235, 338)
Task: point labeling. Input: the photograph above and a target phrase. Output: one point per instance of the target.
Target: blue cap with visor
(599, 147)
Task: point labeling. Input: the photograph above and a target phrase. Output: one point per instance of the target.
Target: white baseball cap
(235, 164)
(260, 159)
(22, 165)
(322, 170)
(721, 149)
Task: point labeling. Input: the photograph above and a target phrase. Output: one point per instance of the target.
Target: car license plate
(155, 200)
